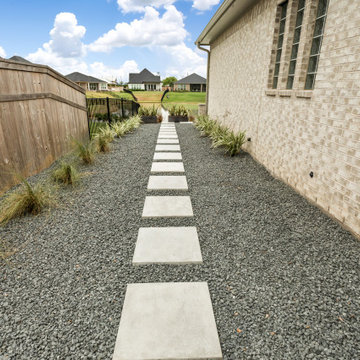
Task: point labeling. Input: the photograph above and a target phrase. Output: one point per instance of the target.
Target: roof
(225, 16)
(79, 77)
(192, 79)
(20, 59)
(143, 77)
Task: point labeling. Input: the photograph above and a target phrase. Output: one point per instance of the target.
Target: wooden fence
(40, 112)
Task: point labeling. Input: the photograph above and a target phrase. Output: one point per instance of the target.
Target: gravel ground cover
(283, 277)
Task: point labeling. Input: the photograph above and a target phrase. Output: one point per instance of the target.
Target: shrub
(102, 142)
(85, 151)
(120, 128)
(180, 110)
(232, 142)
(148, 111)
(221, 136)
(108, 133)
(27, 199)
(66, 174)
(205, 125)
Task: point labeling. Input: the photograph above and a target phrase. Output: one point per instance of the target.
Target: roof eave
(225, 16)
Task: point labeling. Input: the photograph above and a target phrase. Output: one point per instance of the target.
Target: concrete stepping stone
(167, 321)
(169, 182)
(167, 245)
(173, 132)
(165, 136)
(167, 148)
(167, 206)
(167, 156)
(167, 167)
(168, 141)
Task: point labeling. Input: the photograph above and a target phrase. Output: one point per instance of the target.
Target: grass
(109, 94)
(66, 173)
(85, 151)
(220, 135)
(185, 97)
(178, 110)
(148, 110)
(27, 199)
(108, 133)
(102, 142)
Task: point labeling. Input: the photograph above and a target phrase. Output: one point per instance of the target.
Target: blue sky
(107, 38)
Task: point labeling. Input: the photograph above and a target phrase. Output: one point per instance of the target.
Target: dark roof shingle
(20, 59)
(79, 77)
(192, 79)
(142, 77)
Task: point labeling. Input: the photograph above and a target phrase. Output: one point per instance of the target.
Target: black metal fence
(102, 111)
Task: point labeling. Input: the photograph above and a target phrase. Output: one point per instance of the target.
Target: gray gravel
(280, 271)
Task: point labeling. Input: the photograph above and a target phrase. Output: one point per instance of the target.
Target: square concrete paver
(165, 136)
(167, 245)
(167, 321)
(170, 182)
(167, 148)
(168, 141)
(167, 206)
(167, 167)
(167, 156)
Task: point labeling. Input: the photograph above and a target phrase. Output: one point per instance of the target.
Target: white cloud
(151, 30)
(121, 73)
(140, 5)
(64, 50)
(185, 61)
(2, 52)
(66, 36)
(164, 34)
(203, 5)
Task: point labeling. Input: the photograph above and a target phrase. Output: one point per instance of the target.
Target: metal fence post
(122, 108)
(108, 110)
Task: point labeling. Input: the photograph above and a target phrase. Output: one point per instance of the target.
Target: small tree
(169, 81)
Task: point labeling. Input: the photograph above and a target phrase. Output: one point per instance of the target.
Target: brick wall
(295, 132)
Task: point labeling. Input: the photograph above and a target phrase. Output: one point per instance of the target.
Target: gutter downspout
(207, 76)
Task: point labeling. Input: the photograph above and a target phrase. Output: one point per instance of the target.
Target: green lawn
(185, 97)
(147, 98)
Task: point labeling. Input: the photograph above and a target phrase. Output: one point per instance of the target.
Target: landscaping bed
(283, 277)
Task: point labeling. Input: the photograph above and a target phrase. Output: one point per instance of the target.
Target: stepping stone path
(167, 320)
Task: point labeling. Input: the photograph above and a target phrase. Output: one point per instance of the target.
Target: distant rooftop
(79, 77)
(143, 77)
(192, 79)
(20, 59)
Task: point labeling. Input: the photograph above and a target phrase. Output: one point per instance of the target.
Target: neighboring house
(87, 82)
(113, 86)
(288, 73)
(145, 80)
(193, 82)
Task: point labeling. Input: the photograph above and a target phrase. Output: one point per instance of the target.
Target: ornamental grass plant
(220, 135)
(26, 199)
(85, 151)
(148, 110)
(66, 173)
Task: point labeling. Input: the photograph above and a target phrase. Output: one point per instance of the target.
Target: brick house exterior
(302, 119)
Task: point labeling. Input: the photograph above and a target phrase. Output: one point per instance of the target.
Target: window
(295, 56)
(316, 44)
(295, 45)
(283, 11)
(93, 86)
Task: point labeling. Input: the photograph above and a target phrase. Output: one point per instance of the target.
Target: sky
(107, 39)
